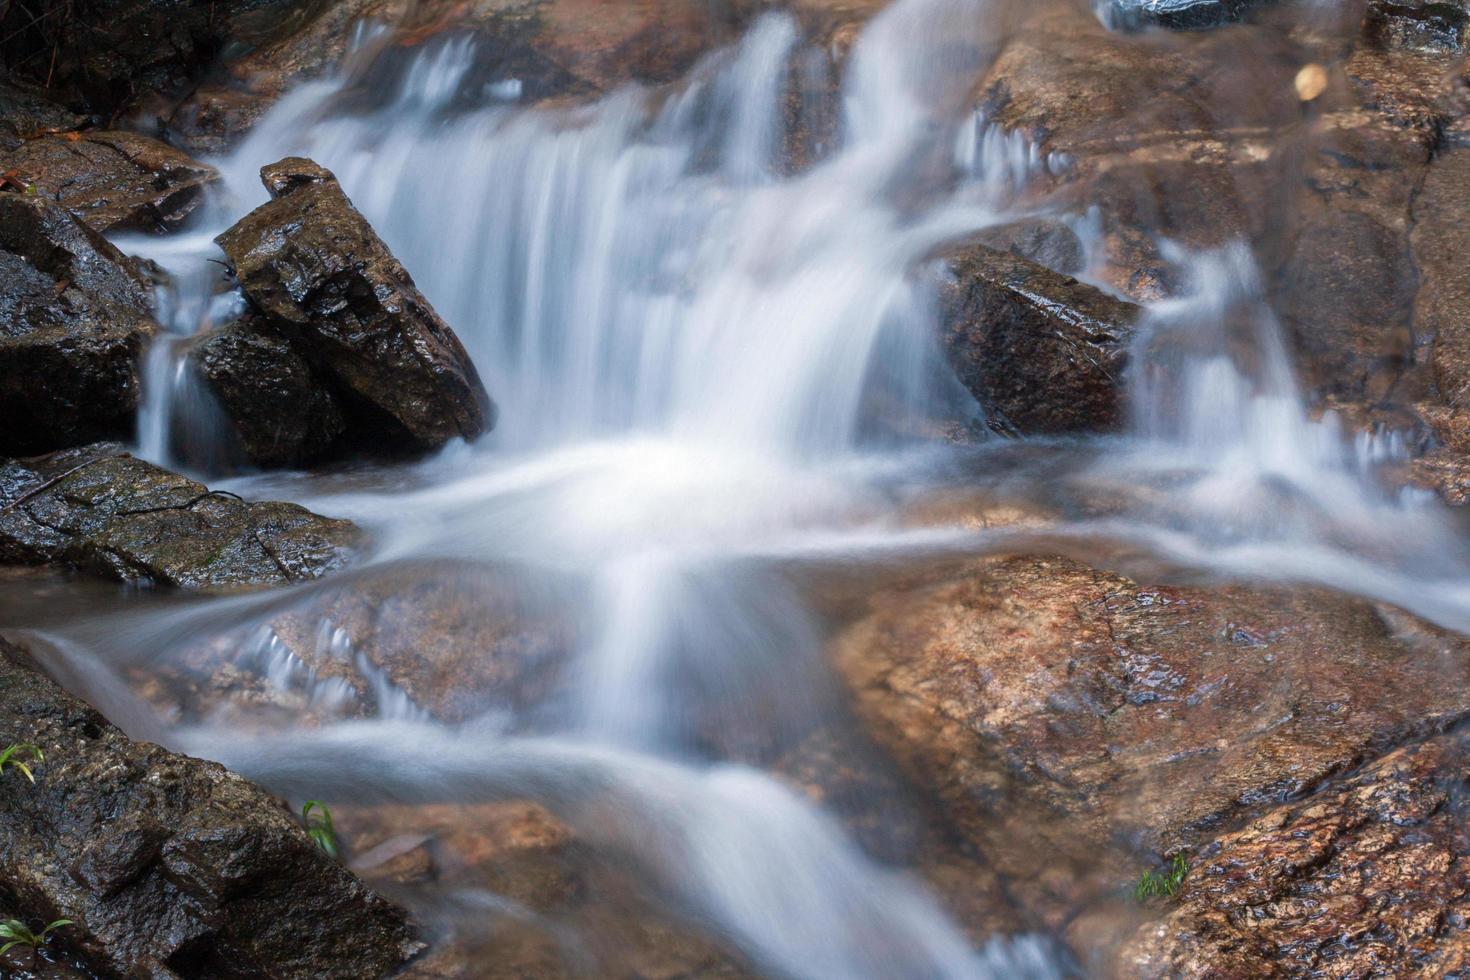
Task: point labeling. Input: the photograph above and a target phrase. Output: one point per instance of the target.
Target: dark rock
(1048, 243)
(102, 511)
(172, 866)
(312, 264)
(1429, 25)
(1370, 877)
(26, 113)
(113, 180)
(279, 407)
(74, 318)
(1040, 350)
(1179, 15)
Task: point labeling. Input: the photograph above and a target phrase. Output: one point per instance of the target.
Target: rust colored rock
(1068, 718)
(113, 180)
(1370, 877)
(311, 263)
(100, 510)
(171, 866)
(1040, 350)
(74, 319)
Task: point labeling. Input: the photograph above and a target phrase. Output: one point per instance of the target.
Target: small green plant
(1161, 884)
(17, 933)
(319, 826)
(16, 756)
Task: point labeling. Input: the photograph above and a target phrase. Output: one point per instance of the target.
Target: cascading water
(682, 338)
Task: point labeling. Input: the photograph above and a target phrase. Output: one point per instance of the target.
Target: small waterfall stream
(681, 336)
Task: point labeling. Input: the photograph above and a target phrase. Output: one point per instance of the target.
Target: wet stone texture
(74, 319)
(1042, 352)
(1075, 724)
(1370, 877)
(100, 510)
(112, 181)
(171, 867)
(311, 264)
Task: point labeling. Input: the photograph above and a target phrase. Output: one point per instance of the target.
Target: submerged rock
(171, 866)
(74, 318)
(100, 510)
(309, 261)
(1038, 349)
(112, 180)
(1074, 722)
(279, 407)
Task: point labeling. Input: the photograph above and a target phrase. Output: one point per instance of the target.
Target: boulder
(1174, 14)
(100, 510)
(1073, 722)
(1370, 877)
(170, 866)
(74, 318)
(282, 412)
(27, 112)
(1039, 350)
(313, 266)
(112, 180)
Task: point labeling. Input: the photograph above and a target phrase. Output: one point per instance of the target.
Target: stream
(716, 383)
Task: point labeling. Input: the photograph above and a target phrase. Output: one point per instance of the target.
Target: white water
(684, 341)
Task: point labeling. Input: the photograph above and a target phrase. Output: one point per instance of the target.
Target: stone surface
(311, 264)
(1370, 877)
(99, 510)
(26, 112)
(1042, 352)
(171, 866)
(1073, 721)
(281, 410)
(74, 318)
(112, 180)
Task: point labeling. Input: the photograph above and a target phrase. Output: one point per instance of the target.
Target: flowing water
(711, 371)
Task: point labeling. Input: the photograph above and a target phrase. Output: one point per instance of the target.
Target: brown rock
(1065, 716)
(113, 180)
(1370, 877)
(171, 866)
(311, 264)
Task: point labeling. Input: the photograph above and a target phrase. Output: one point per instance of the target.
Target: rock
(314, 267)
(1040, 350)
(102, 511)
(451, 639)
(171, 866)
(74, 318)
(1370, 877)
(1069, 718)
(26, 113)
(281, 410)
(1048, 243)
(113, 180)
(1418, 24)
(1174, 14)
(107, 56)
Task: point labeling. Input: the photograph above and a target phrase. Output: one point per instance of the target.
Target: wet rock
(1174, 14)
(27, 113)
(74, 318)
(102, 511)
(172, 866)
(1370, 877)
(313, 266)
(1048, 243)
(112, 180)
(1418, 24)
(281, 410)
(454, 640)
(1073, 721)
(1039, 350)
